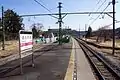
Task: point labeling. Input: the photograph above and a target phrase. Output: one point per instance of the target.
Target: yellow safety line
(70, 69)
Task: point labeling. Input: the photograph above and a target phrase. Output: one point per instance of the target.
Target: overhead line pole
(3, 30)
(85, 31)
(113, 2)
(60, 22)
(79, 31)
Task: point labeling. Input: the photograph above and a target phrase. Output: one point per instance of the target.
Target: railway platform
(50, 64)
(58, 62)
(83, 69)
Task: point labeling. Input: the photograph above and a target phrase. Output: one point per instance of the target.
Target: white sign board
(25, 43)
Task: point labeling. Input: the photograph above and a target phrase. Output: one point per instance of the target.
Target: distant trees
(36, 29)
(89, 32)
(12, 23)
(0, 30)
(103, 33)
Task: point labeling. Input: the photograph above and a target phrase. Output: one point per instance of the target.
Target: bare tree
(37, 29)
(103, 33)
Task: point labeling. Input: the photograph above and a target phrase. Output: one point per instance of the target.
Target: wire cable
(46, 5)
(101, 5)
(99, 2)
(97, 8)
(42, 6)
(45, 8)
(99, 15)
(96, 5)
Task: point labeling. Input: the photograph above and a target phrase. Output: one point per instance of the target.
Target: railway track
(4, 71)
(103, 69)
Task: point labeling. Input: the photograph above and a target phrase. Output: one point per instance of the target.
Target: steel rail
(105, 63)
(96, 69)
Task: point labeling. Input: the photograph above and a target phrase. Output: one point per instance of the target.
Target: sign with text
(25, 43)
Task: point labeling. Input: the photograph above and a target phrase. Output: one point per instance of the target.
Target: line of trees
(102, 34)
(12, 24)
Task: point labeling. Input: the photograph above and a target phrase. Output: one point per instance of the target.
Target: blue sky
(73, 21)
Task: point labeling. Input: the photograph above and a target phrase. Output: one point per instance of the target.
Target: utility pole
(85, 30)
(49, 27)
(79, 31)
(113, 2)
(3, 30)
(60, 22)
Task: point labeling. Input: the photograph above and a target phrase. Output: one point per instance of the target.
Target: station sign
(25, 46)
(25, 43)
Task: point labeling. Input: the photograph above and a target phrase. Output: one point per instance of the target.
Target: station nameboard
(25, 42)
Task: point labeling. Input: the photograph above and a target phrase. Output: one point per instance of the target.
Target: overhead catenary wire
(42, 6)
(99, 1)
(97, 8)
(99, 15)
(45, 8)
(101, 5)
(96, 5)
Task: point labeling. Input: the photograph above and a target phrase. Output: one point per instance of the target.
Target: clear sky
(73, 21)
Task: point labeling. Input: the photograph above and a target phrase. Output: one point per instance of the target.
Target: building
(56, 31)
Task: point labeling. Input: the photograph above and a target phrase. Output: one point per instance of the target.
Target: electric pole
(113, 2)
(79, 31)
(60, 22)
(85, 30)
(3, 30)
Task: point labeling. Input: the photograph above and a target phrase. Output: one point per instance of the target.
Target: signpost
(25, 46)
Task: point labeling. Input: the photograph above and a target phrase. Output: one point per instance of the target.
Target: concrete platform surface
(51, 65)
(84, 71)
(58, 63)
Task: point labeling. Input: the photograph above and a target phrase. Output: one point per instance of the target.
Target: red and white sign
(25, 42)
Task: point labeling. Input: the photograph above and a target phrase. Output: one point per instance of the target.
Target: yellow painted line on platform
(70, 69)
